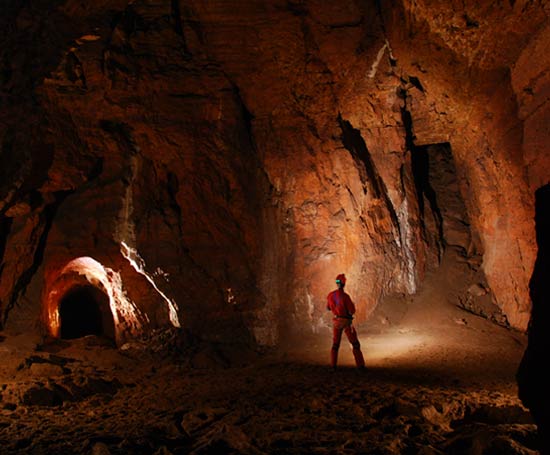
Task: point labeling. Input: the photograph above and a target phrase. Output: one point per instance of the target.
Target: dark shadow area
(420, 161)
(407, 375)
(443, 214)
(85, 310)
(5, 227)
(356, 145)
(533, 374)
(47, 216)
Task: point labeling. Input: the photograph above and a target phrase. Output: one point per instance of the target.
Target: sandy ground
(438, 381)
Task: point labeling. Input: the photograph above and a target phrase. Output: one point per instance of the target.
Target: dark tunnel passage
(443, 213)
(85, 310)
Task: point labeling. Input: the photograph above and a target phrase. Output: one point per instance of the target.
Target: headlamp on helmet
(341, 279)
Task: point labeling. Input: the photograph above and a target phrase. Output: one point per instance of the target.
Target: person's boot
(333, 358)
(359, 360)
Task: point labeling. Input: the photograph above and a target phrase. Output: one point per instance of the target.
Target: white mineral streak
(125, 234)
(407, 247)
(137, 262)
(378, 59)
(126, 230)
(390, 52)
(374, 66)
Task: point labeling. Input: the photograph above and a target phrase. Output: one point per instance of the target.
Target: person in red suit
(343, 310)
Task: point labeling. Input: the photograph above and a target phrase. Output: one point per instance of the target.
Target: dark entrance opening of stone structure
(85, 310)
(442, 210)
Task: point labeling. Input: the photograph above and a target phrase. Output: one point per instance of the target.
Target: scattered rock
(39, 395)
(163, 451)
(504, 445)
(483, 305)
(477, 290)
(99, 448)
(201, 418)
(81, 387)
(483, 439)
(500, 414)
(132, 347)
(57, 390)
(10, 406)
(52, 365)
(45, 370)
(225, 439)
(209, 357)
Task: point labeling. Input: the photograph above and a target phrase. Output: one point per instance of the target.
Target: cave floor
(438, 380)
(419, 395)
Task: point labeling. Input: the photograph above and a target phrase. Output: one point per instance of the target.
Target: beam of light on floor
(393, 345)
(395, 348)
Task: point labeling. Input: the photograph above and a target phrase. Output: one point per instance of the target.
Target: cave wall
(150, 149)
(532, 89)
(244, 153)
(473, 49)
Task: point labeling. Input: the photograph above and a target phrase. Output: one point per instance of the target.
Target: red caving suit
(343, 310)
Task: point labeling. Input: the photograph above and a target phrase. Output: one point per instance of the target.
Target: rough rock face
(215, 164)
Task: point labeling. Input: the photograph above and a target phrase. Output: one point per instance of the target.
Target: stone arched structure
(119, 317)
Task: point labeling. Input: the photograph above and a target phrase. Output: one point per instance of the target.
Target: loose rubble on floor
(173, 394)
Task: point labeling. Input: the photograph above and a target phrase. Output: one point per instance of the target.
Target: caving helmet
(341, 279)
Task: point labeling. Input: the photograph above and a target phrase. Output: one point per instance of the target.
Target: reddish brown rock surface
(214, 165)
(244, 153)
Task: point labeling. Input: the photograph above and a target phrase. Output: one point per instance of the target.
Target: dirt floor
(439, 380)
